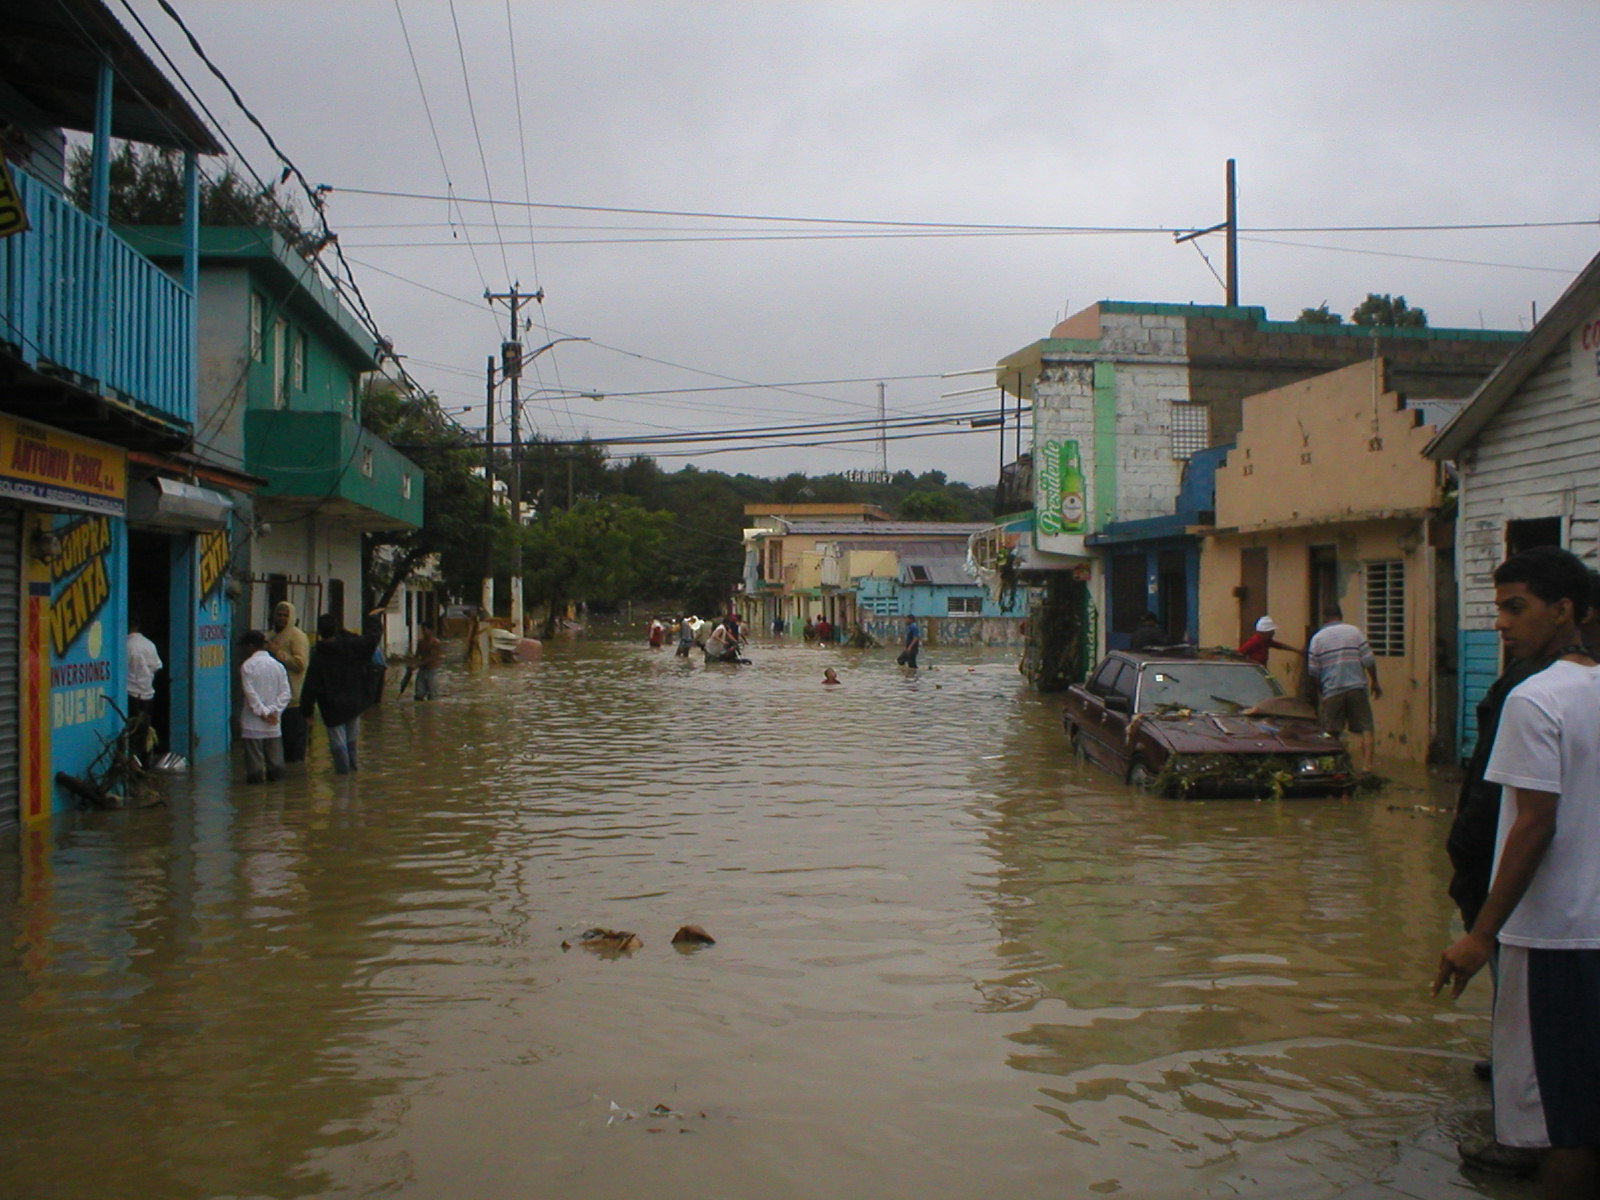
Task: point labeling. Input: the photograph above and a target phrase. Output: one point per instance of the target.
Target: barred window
(1386, 607)
(964, 605)
(1191, 428)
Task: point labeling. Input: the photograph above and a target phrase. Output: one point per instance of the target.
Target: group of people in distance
(721, 641)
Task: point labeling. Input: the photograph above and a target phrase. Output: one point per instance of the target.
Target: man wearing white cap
(1255, 646)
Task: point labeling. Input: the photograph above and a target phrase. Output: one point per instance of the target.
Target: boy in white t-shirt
(1544, 901)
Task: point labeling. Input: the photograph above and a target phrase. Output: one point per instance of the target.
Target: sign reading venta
(46, 466)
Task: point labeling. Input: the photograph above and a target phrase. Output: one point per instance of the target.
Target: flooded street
(950, 962)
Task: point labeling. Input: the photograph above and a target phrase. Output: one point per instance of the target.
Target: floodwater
(950, 962)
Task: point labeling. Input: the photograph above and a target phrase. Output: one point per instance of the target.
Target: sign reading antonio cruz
(46, 466)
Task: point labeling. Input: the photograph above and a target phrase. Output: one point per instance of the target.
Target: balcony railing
(78, 302)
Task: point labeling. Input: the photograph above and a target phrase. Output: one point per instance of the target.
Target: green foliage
(456, 521)
(1386, 311)
(928, 505)
(1319, 316)
(147, 189)
(600, 550)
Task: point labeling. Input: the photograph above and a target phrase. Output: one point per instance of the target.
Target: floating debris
(607, 941)
(692, 935)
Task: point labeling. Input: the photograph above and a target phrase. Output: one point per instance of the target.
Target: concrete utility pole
(486, 601)
(511, 369)
(511, 360)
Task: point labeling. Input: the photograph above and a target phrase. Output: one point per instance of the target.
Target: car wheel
(1141, 776)
(1075, 740)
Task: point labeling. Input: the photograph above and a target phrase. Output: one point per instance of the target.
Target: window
(366, 462)
(916, 573)
(405, 486)
(1525, 535)
(963, 605)
(297, 368)
(258, 330)
(1191, 428)
(280, 367)
(1386, 607)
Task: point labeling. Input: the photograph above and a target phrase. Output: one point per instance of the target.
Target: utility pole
(1230, 284)
(1233, 238)
(486, 600)
(883, 435)
(511, 369)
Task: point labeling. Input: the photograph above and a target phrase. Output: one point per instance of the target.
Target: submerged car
(1202, 726)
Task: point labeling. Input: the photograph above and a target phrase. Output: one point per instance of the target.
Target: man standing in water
(336, 681)
(1543, 906)
(908, 656)
(290, 646)
(1341, 660)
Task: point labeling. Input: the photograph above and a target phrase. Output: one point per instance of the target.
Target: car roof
(1140, 658)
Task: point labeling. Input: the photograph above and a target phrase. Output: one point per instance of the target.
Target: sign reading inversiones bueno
(46, 466)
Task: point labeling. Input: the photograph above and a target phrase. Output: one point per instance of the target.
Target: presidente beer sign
(47, 466)
(1063, 504)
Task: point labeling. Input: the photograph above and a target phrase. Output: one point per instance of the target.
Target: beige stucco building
(1326, 499)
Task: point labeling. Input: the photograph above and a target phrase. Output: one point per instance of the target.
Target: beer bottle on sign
(1074, 509)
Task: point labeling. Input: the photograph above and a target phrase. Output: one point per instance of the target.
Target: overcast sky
(1108, 115)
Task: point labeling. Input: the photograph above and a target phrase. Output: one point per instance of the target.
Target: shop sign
(46, 466)
(13, 216)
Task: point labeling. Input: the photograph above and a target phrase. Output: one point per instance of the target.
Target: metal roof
(50, 52)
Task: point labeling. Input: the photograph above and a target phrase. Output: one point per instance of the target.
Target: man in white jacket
(266, 695)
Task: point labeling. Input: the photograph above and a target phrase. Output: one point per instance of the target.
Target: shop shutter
(10, 660)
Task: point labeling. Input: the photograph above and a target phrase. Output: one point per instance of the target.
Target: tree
(456, 521)
(928, 505)
(1319, 316)
(600, 551)
(1386, 311)
(147, 189)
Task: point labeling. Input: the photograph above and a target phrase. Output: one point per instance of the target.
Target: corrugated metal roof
(883, 529)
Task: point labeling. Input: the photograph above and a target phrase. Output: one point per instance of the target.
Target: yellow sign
(46, 466)
(13, 217)
(213, 546)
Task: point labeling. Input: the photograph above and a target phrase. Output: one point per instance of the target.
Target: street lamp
(512, 370)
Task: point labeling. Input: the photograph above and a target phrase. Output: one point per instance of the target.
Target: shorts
(1350, 710)
(1546, 1048)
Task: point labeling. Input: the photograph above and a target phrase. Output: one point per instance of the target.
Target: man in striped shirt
(1341, 661)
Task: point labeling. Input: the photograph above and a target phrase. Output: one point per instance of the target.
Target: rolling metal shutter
(10, 660)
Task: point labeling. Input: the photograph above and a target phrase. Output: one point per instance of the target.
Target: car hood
(1220, 733)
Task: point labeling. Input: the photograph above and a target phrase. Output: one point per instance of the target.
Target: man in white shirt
(1341, 660)
(142, 664)
(1543, 906)
(266, 695)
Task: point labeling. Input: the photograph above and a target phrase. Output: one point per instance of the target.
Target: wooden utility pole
(1230, 284)
(1233, 239)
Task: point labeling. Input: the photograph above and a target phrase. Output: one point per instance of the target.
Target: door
(10, 661)
(1252, 588)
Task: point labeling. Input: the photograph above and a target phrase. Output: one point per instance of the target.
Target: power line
(472, 113)
(438, 145)
(977, 226)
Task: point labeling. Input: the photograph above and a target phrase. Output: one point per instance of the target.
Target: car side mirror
(1119, 703)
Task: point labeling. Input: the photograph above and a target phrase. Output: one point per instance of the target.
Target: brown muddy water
(950, 962)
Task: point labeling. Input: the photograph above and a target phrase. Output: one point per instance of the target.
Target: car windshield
(1204, 686)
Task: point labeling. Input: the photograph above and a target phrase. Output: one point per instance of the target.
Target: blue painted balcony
(80, 305)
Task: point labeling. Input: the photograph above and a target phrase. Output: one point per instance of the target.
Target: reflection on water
(949, 962)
